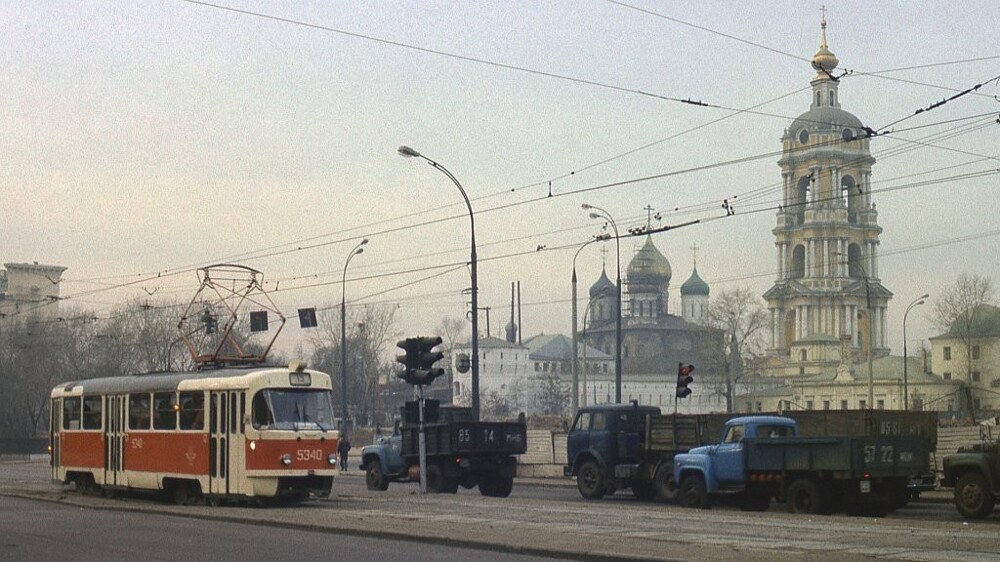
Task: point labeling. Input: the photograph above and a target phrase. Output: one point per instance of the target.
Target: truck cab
(603, 448)
(383, 461)
(720, 467)
(974, 472)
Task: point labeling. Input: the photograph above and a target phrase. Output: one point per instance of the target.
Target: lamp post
(602, 214)
(906, 358)
(411, 153)
(574, 351)
(343, 334)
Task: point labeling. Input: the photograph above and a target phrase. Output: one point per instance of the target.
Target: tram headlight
(332, 459)
(286, 459)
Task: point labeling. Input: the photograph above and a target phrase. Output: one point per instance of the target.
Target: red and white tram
(214, 434)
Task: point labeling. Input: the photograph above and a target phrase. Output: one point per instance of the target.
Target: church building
(654, 341)
(828, 346)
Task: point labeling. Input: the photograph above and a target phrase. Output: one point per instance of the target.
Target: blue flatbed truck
(763, 457)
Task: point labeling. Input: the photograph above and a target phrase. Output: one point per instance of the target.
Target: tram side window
(262, 416)
(192, 410)
(138, 411)
(71, 413)
(91, 412)
(164, 410)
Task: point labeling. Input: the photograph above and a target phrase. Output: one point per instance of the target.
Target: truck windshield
(288, 408)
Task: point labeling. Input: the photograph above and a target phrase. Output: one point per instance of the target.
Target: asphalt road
(549, 519)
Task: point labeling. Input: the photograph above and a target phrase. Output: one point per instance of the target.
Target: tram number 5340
(309, 454)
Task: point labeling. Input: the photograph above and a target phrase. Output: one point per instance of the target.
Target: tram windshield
(298, 408)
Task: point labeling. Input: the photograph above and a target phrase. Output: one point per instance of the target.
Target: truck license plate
(866, 486)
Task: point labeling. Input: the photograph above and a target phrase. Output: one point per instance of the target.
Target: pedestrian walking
(343, 449)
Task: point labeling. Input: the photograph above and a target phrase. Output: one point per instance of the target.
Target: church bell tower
(827, 233)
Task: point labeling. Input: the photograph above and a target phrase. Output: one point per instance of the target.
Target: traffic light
(684, 378)
(408, 359)
(210, 322)
(419, 359)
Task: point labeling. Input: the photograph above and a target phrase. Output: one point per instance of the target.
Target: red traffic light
(684, 378)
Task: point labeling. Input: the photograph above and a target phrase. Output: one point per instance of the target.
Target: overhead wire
(256, 255)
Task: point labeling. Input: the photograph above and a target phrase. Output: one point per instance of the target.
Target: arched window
(801, 197)
(798, 270)
(803, 355)
(851, 197)
(819, 99)
(855, 268)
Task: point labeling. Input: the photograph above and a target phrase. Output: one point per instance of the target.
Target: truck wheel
(694, 493)
(590, 480)
(375, 479)
(496, 486)
(435, 479)
(664, 483)
(804, 496)
(972, 496)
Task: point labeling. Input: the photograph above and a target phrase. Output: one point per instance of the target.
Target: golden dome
(824, 60)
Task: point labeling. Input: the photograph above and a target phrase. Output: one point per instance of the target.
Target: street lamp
(576, 366)
(602, 214)
(906, 358)
(343, 334)
(410, 153)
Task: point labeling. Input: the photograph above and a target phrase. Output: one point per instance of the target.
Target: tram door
(55, 425)
(114, 440)
(226, 442)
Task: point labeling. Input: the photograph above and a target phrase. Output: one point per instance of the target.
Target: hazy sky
(141, 140)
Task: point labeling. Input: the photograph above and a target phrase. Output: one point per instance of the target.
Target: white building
(30, 289)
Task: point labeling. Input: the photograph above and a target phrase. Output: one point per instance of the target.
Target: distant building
(30, 289)
(519, 374)
(972, 360)
(846, 387)
(654, 341)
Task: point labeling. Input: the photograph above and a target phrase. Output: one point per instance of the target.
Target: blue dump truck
(460, 452)
(763, 457)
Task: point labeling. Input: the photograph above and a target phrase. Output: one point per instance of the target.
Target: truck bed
(680, 432)
(467, 438)
(849, 456)
(867, 423)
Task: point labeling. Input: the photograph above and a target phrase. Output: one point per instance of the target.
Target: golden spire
(824, 61)
(822, 25)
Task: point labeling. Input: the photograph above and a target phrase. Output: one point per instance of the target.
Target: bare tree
(553, 395)
(740, 314)
(961, 312)
(369, 329)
